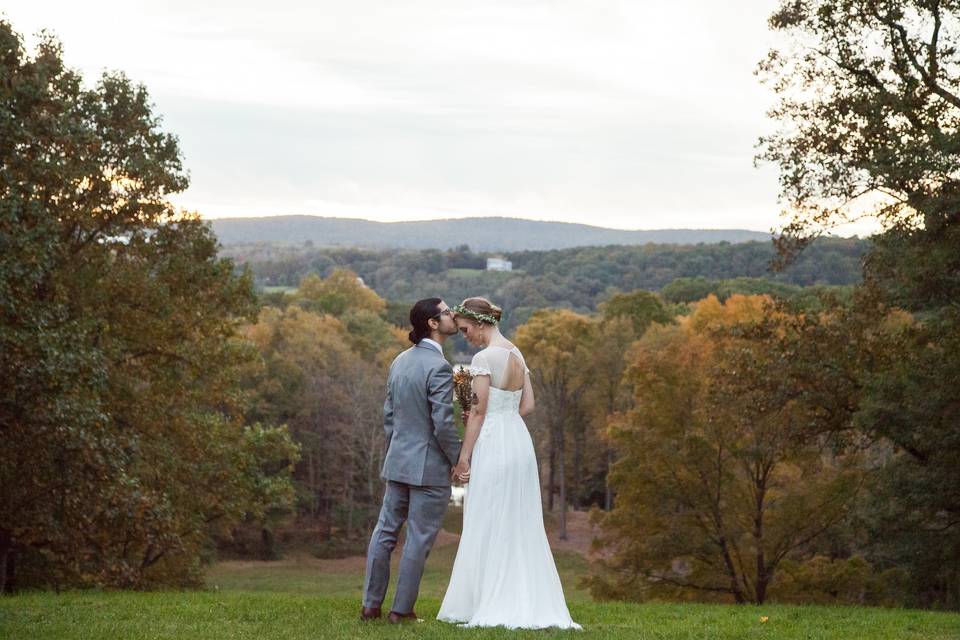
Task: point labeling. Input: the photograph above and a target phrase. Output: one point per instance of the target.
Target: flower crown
(479, 317)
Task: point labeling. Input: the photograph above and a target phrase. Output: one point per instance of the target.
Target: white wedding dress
(504, 573)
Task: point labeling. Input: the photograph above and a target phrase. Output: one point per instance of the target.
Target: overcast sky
(633, 114)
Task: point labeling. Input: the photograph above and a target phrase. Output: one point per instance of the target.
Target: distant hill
(482, 234)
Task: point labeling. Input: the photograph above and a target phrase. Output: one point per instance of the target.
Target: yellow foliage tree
(326, 357)
(555, 343)
(717, 481)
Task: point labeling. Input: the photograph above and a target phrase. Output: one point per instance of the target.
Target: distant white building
(499, 264)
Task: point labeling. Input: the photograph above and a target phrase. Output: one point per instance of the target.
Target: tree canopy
(125, 447)
(869, 104)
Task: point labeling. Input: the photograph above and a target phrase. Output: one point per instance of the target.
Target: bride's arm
(527, 401)
(481, 388)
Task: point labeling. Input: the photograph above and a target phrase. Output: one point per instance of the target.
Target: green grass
(306, 576)
(476, 274)
(466, 273)
(302, 597)
(293, 616)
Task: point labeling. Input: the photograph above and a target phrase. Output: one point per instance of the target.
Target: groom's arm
(440, 396)
(388, 414)
(388, 404)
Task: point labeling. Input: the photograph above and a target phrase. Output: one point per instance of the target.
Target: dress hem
(470, 625)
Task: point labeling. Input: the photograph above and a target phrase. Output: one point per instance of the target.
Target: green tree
(867, 95)
(869, 103)
(337, 294)
(642, 308)
(121, 415)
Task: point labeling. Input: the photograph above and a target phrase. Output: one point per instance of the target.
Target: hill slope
(482, 234)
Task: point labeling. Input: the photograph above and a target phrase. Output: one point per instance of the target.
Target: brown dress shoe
(369, 613)
(397, 618)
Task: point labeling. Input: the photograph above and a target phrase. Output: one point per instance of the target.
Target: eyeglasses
(445, 312)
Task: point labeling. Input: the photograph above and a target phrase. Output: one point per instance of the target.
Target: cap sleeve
(479, 366)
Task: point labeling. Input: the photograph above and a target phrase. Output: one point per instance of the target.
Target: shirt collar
(433, 343)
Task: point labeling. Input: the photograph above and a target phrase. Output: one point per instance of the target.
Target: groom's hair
(420, 313)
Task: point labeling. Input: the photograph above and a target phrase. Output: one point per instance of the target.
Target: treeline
(579, 279)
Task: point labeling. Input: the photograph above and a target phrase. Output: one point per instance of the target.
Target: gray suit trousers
(423, 509)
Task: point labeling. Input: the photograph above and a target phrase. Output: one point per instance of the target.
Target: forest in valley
(579, 279)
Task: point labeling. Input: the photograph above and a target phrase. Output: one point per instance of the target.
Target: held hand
(462, 471)
(465, 416)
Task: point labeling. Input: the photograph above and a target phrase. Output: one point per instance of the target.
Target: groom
(422, 446)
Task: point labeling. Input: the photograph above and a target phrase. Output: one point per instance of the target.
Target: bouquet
(463, 387)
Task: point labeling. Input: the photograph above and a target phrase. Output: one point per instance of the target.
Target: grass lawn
(299, 615)
(476, 274)
(303, 597)
(466, 273)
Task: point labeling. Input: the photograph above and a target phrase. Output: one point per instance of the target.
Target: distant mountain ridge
(482, 234)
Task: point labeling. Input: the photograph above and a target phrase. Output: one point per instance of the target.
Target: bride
(504, 574)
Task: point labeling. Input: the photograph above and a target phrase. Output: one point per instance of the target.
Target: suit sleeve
(388, 414)
(440, 395)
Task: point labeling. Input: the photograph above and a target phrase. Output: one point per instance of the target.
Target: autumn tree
(340, 293)
(555, 344)
(623, 318)
(326, 356)
(717, 480)
(125, 448)
(606, 398)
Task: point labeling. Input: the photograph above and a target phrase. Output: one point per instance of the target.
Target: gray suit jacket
(422, 441)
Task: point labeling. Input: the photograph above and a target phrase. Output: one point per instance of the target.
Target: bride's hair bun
(483, 307)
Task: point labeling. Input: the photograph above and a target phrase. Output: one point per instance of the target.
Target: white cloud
(625, 114)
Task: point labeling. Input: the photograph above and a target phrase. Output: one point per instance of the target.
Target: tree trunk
(732, 572)
(350, 501)
(561, 457)
(268, 544)
(608, 497)
(6, 562)
(373, 469)
(762, 578)
(312, 483)
(551, 484)
(322, 497)
(577, 470)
